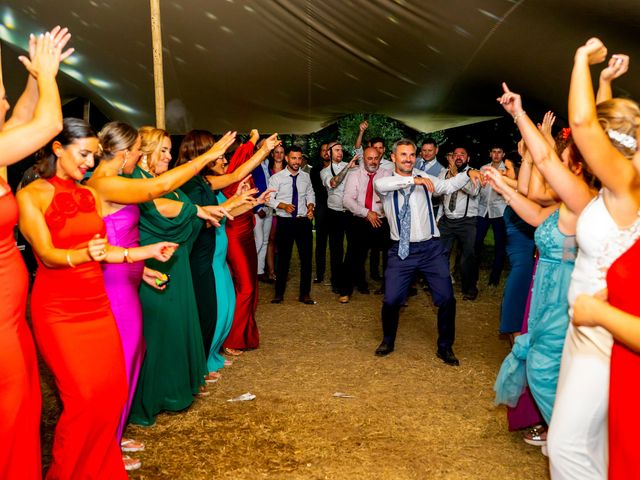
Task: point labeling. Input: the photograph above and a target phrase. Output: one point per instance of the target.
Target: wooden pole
(158, 74)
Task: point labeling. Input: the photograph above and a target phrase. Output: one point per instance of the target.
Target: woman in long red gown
(243, 263)
(72, 320)
(37, 117)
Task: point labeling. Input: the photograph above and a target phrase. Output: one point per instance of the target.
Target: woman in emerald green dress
(175, 365)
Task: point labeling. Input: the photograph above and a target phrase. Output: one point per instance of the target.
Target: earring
(124, 162)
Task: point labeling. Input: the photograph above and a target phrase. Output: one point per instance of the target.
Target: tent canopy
(295, 66)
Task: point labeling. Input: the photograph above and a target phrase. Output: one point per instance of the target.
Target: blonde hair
(151, 143)
(622, 116)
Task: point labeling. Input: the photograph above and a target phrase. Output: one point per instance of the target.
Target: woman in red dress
(36, 119)
(243, 263)
(72, 320)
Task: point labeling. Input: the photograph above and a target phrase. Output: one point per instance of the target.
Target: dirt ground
(411, 416)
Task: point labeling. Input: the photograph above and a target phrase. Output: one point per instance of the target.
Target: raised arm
(361, 129)
(22, 140)
(139, 190)
(339, 178)
(219, 182)
(618, 66)
(607, 163)
(573, 191)
(34, 228)
(529, 211)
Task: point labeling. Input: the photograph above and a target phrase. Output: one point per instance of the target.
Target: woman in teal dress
(535, 356)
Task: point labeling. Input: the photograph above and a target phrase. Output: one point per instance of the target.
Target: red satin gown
(623, 283)
(20, 398)
(242, 258)
(78, 338)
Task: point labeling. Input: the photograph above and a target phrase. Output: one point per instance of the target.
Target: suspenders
(396, 209)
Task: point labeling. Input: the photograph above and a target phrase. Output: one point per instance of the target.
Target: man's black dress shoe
(276, 300)
(447, 357)
(470, 295)
(384, 349)
(307, 300)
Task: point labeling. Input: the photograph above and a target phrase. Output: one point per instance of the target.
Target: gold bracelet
(519, 116)
(69, 262)
(127, 258)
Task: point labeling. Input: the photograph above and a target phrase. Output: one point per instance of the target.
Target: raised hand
(545, 127)
(618, 66)
(353, 161)
(265, 196)
(271, 142)
(510, 101)
(476, 177)
(243, 186)
(162, 251)
(494, 177)
(220, 147)
(363, 126)
(254, 135)
(46, 55)
(594, 50)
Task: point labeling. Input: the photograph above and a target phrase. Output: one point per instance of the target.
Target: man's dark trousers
(464, 231)
(430, 259)
(288, 231)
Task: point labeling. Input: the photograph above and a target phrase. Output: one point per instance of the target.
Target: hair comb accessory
(623, 139)
(565, 133)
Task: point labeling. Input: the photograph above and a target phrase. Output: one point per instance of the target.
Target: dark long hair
(73, 129)
(194, 144)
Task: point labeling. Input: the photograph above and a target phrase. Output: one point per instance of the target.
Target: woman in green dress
(175, 366)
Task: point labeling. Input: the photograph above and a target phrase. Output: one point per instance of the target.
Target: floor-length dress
(20, 399)
(78, 338)
(243, 263)
(174, 366)
(535, 357)
(225, 293)
(623, 284)
(122, 281)
(201, 260)
(520, 247)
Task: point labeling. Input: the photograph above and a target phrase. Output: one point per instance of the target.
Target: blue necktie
(294, 196)
(405, 224)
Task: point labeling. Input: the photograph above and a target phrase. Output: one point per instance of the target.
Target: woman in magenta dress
(72, 319)
(37, 117)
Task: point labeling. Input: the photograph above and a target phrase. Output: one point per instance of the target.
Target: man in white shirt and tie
(333, 178)
(457, 222)
(293, 201)
(406, 200)
(491, 207)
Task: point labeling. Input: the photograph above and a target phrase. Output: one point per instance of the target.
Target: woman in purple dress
(120, 152)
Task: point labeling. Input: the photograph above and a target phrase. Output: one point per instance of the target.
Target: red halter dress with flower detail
(78, 338)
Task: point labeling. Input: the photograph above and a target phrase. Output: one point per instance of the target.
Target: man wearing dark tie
(406, 200)
(293, 202)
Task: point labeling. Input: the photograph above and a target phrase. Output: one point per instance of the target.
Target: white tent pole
(158, 74)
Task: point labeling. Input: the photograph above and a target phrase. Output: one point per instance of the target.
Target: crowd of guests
(147, 279)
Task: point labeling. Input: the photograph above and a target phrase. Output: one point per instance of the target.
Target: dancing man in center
(406, 200)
